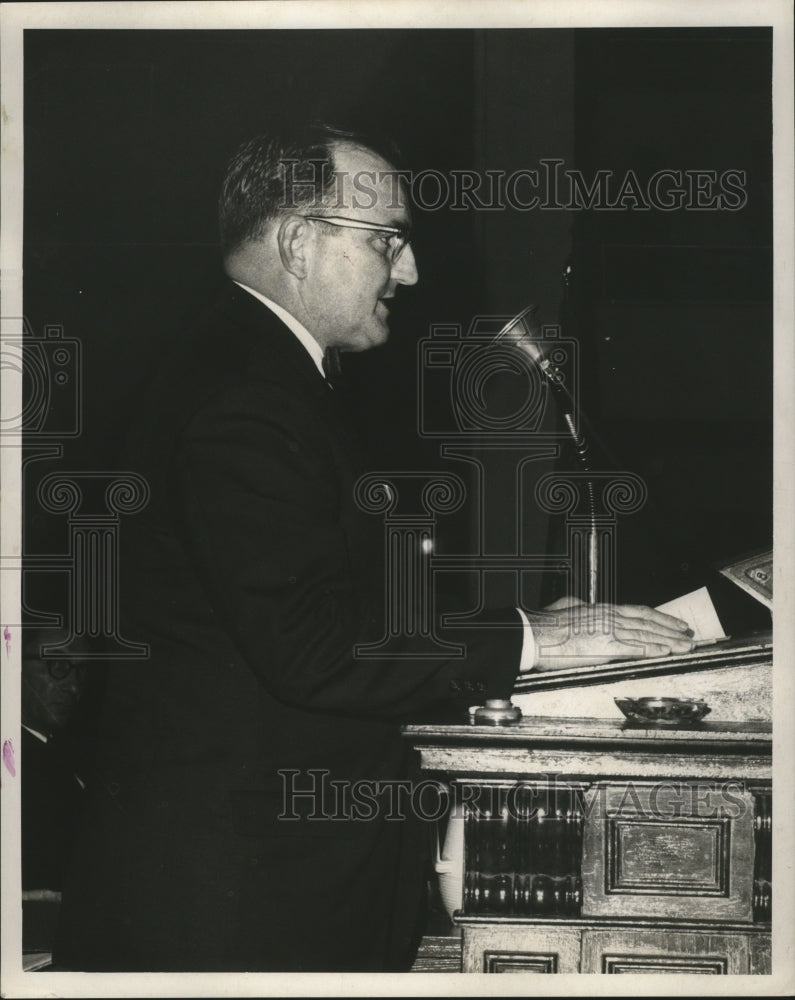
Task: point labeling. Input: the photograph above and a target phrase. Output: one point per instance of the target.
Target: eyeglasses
(59, 670)
(398, 237)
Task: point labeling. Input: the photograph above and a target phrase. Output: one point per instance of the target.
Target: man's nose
(70, 684)
(404, 269)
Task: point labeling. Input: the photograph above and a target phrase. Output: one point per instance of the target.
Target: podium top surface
(595, 750)
(756, 648)
(581, 732)
(541, 729)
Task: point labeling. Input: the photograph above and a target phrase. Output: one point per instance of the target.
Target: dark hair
(286, 168)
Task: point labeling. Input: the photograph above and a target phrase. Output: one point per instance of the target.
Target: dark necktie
(332, 368)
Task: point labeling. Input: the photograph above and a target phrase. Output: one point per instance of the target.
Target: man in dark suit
(252, 575)
(52, 691)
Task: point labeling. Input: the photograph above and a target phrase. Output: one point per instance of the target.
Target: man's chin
(372, 337)
(374, 333)
(381, 337)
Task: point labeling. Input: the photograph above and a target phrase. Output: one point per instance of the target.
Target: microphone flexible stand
(521, 332)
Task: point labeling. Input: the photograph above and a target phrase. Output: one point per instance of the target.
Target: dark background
(126, 137)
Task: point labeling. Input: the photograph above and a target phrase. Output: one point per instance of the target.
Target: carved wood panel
(517, 961)
(667, 857)
(663, 964)
(669, 850)
(503, 948)
(617, 951)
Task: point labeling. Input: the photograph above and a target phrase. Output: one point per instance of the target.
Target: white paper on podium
(699, 612)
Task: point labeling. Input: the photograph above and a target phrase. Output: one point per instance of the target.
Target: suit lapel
(276, 348)
(268, 338)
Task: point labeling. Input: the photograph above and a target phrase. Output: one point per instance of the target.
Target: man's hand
(571, 634)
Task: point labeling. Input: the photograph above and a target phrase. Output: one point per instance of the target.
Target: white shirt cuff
(528, 660)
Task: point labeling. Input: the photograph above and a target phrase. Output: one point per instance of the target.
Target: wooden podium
(594, 845)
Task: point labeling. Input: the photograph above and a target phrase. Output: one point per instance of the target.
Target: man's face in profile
(51, 688)
(353, 278)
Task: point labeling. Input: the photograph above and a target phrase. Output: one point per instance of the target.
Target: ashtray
(663, 711)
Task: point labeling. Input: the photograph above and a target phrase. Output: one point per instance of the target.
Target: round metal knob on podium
(497, 712)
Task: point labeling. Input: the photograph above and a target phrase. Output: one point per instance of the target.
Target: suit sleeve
(258, 497)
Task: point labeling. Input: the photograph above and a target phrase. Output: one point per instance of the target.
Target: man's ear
(293, 237)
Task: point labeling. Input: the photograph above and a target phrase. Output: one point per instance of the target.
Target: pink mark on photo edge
(345, 255)
(7, 637)
(8, 758)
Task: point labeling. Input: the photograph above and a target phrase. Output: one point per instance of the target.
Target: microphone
(522, 333)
